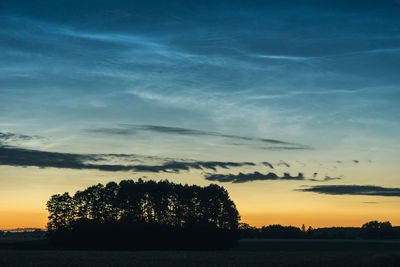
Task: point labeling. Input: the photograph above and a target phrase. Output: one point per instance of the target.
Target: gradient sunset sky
(292, 106)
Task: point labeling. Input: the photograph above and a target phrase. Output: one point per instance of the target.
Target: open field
(248, 253)
(317, 245)
(194, 258)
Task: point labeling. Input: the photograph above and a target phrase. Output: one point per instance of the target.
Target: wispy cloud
(257, 176)
(7, 136)
(326, 179)
(303, 58)
(364, 190)
(284, 57)
(250, 177)
(282, 163)
(379, 51)
(65, 30)
(15, 156)
(300, 93)
(268, 164)
(134, 129)
(14, 139)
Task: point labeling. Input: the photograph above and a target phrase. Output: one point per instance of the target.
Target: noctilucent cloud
(264, 97)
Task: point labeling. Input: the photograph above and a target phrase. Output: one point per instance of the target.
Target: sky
(292, 106)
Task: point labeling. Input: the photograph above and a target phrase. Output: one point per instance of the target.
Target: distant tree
(279, 231)
(377, 230)
(303, 228)
(386, 230)
(370, 230)
(247, 231)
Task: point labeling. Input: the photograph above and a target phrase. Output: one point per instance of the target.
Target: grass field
(248, 253)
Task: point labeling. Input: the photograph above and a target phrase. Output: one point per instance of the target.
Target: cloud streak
(13, 156)
(284, 57)
(362, 190)
(265, 163)
(282, 163)
(326, 179)
(134, 129)
(250, 177)
(13, 137)
(257, 176)
(23, 157)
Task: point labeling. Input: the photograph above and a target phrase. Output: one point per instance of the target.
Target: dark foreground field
(248, 253)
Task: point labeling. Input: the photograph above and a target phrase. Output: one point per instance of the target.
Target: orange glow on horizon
(315, 220)
(22, 219)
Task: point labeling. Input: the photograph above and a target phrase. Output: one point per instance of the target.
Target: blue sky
(206, 81)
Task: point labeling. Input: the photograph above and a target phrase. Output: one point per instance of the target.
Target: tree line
(144, 214)
(369, 230)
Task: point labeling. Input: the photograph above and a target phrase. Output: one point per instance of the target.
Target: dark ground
(253, 252)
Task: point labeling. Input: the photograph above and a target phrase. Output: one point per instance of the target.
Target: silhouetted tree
(248, 231)
(377, 230)
(279, 231)
(370, 230)
(145, 211)
(62, 212)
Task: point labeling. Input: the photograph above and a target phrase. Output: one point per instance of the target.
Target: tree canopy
(163, 210)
